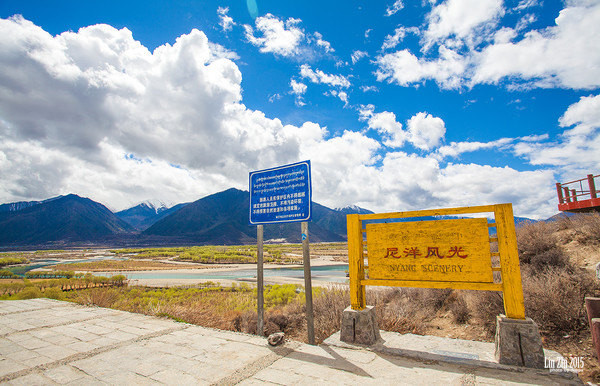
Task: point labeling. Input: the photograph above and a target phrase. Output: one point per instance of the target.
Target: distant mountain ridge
(64, 219)
(16, 206)
(147, 213)
(220, 218)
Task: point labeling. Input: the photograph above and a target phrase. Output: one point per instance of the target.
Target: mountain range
(221, 218)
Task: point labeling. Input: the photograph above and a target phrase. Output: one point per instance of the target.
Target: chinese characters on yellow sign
(444, 250)
(436, 254)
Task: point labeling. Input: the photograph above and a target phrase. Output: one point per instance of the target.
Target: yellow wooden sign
(437, 254)
(445, 250)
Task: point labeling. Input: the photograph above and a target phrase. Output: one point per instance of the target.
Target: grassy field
(277, 253)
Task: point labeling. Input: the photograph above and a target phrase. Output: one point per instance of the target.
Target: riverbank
(325, 271)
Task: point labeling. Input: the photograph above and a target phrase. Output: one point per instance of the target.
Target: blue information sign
(281, 194)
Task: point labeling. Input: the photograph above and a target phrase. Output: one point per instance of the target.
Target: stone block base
(359, 327)
(518, 343)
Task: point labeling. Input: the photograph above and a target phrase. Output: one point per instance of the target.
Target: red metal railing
(572, 199)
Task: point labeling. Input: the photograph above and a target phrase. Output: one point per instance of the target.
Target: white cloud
(342, 95)
(286, 38)
(394, 8)
(461, 19)
(297, 87)
(392, 41)
(323, 43)
(405, 69)
(386, 124)
(82, 100)
(275, 97)
(455, 149)
(525, 4)
(319, 76)
(526, 21)
(368, 88)
(278, 37)
(358, 55)
(565, 55)
(578, 149)
(225, 21)
(95, 113)
(475, 52)
(425, 131)
(410, 182)
(585, 114)
(217, 51)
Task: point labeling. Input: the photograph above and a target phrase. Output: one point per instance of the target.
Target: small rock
(276, 339)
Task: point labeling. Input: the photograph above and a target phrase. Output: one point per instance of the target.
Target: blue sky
(400, 105)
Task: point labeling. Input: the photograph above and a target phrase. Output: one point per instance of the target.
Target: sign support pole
(310, 321)
(259, 281)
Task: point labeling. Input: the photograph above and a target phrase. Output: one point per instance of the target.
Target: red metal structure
(571, 199)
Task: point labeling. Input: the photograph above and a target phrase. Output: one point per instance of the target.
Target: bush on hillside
(538, 247)
(588, 226)
(554, 299)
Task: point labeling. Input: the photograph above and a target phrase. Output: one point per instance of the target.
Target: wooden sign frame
(509, 269)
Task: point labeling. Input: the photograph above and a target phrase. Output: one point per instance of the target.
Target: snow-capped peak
(155, 204)
(352, 209)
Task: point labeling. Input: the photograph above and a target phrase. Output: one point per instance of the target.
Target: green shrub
(54, 293)
(6, 274)
(278, 295)
(28, 293)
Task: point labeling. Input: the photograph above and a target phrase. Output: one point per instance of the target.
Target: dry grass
(538, 246)
(121, 265)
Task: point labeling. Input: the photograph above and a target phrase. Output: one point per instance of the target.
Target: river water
(330, 273)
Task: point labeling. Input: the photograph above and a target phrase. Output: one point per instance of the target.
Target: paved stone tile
(7, 347)
(34, 343)
(64, 374)
(8, 366)
(55, 352)
(253, 381)
(82, 346)
(172, 377)
(120, 336)
(113, 347)
(95, 367)
(19, 337)
(32, 379)
(131, 378)
(276, 376)
(60, 339)
(35, 359)
(103, 341)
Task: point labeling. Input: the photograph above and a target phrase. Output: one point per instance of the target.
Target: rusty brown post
(567, 194)
(592, 306)
(559, 192)
(574, 194)
(590, 178)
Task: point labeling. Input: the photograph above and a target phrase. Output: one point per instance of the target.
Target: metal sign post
(259, 281)
(281, 195)
(310, 321)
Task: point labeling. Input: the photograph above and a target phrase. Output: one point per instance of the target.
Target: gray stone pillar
(518, 343)
(360, 327)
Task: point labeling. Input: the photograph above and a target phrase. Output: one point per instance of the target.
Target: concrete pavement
(45, 341)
